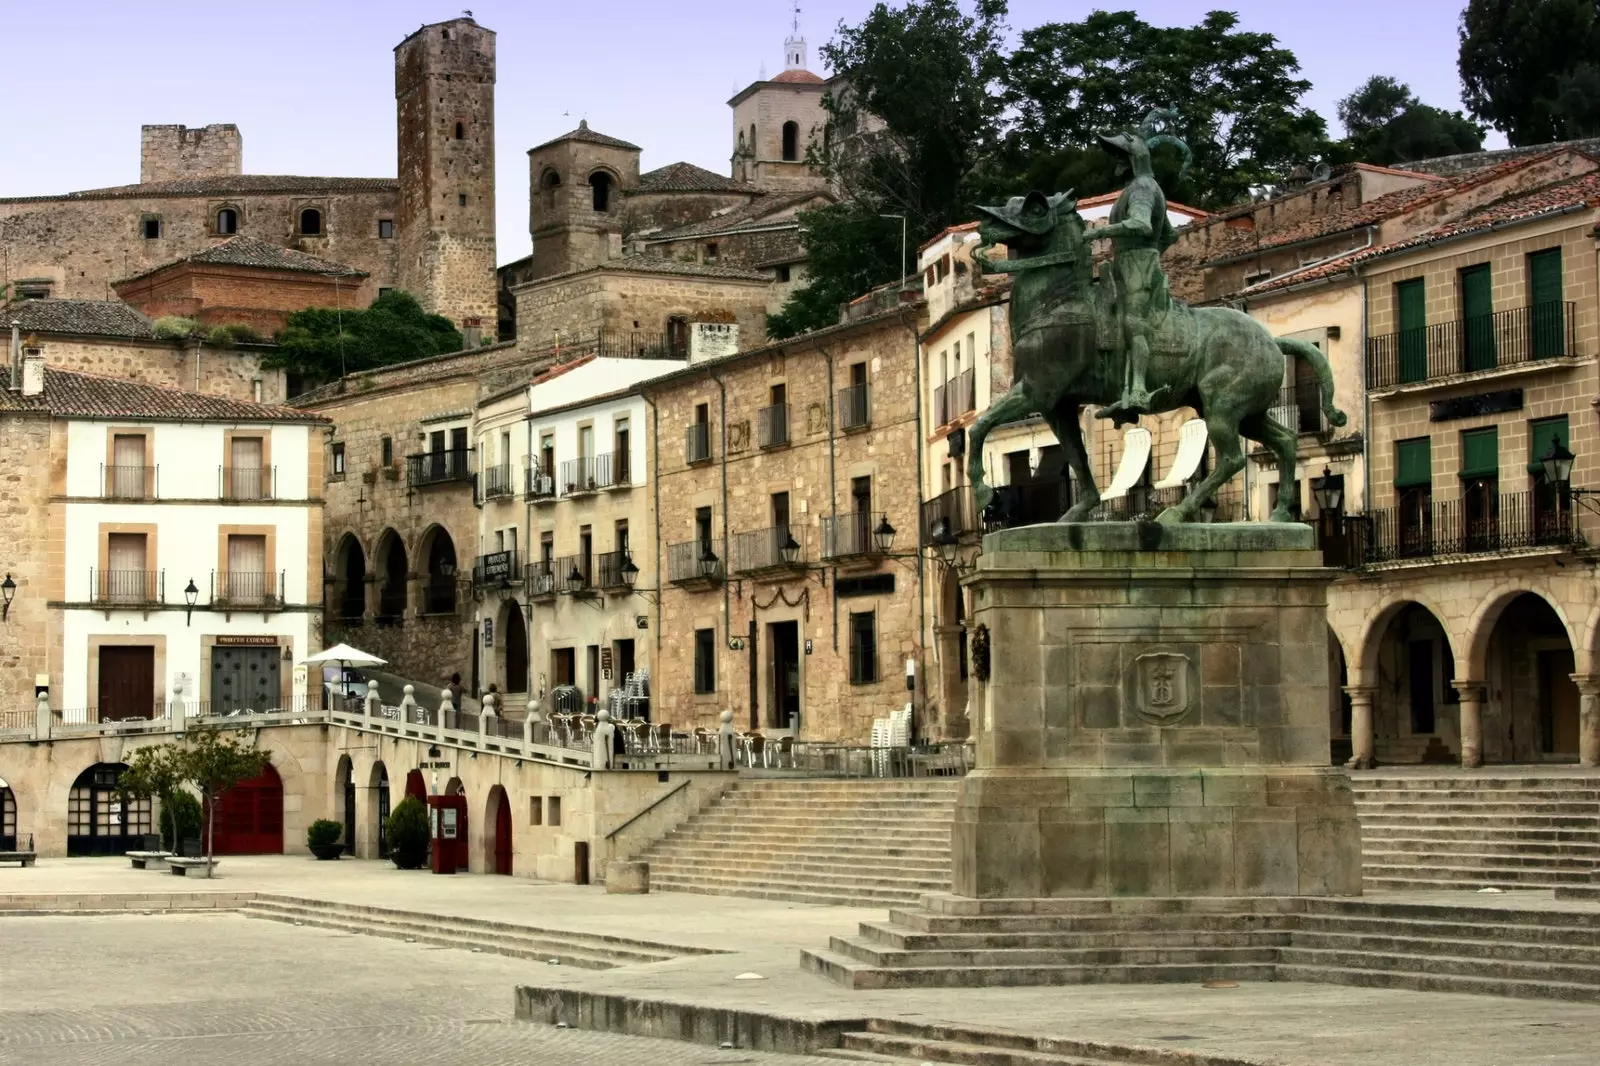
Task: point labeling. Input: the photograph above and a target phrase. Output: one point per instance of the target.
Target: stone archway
(344, 802)
(1406, 710)
(392, 574)
(350, 580)
(8, 817)
(497, 833)
(379, 782)
(516, 647)
(1524, 656)
(437, 552)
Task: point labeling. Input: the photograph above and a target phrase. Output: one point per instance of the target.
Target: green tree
(156, 772)
(917, 117)
(407, 832)
(321, 344)
(1531, 68)
(1236, 94)
(1385, 123)
(215, 760)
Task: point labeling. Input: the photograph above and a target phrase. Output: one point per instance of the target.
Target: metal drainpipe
(922, 591)
(833, 486)
(1366, 407)
(655, 484)
(727, 545)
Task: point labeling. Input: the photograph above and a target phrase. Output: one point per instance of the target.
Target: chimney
(32, 372)
(16, 355)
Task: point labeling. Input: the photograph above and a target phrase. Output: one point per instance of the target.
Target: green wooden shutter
(1413, 463)
(1477, 318)
(1540, 435)
(1546, 309)
(1480, 452)
(1411, 302)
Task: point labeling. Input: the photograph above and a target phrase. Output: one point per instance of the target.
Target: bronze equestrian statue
(1121, 342)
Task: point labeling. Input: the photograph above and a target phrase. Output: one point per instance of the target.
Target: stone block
(1074, 855)
(1110, 789)
(1099, 705)
(1222, 706)
(1167, 790)
(1191, 747)
(630, 878)
(1219, 665)
(1329, 852)
(1266, 852)
(1137, 853)
(1233, 790)
(1201, 843)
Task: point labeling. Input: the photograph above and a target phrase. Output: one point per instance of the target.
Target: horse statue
(1069, 349)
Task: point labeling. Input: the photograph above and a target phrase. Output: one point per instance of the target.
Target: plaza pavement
(1293, 1024)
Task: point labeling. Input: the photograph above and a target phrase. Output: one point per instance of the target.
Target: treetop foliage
(320, 343)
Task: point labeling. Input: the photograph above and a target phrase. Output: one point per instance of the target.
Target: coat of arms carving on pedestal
(1161, 686)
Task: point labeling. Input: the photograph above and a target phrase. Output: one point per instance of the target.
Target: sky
(310, 83)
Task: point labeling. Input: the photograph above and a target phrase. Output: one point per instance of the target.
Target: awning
(1135, 455)
(1191, 449)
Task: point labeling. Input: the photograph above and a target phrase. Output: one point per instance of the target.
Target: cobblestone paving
(186, 991)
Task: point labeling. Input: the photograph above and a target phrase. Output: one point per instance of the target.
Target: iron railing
(1028, 503)
(949, 516)
(573, 573)
(696, 560)
(1505, 338)
(539, 578)
(851, 534)
(855, 408)
(130, 482)
(439, 468)
(955, 397)
(772, 426)
(496, 569)
(625, 344)
(1477, 525)
(697, 442)
(496, 481)
(608, 569)
(587, 473)
(763, 549)
(247, 588)
(1300, 409)
(537, 484)
(248, 482)
(133, 587)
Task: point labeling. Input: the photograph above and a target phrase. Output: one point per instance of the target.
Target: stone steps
(890, 1040)
(1537, 876)
(785, 891)
(587, 951)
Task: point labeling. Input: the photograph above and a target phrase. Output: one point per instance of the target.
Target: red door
(502, 836)
(250, 817)
(416, 786)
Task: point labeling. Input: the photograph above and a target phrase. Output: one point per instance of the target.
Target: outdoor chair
(662, 735)
(755, 747)
(785, 750)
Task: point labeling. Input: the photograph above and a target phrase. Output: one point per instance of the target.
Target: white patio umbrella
(345, 656)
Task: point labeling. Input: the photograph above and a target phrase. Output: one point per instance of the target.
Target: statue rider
(1139, 231)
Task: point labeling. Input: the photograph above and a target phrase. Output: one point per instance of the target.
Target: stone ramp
(1477, 829)
(873, 843)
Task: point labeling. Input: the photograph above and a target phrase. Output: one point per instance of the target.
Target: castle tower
(575, 208)
(444, 95)
(167, 153)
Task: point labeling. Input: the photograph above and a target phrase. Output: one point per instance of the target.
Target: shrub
(174, 327)
(227, 336)
(322, 832)
(180, 820)
(407, 834)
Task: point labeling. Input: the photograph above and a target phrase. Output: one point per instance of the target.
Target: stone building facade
(777, 122)
(786, 534)
(171, 153)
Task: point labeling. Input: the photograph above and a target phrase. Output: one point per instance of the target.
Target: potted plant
(407, 834)
(323, 839)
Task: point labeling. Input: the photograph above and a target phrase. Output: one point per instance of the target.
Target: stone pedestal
(1154, 722)
(630, 878)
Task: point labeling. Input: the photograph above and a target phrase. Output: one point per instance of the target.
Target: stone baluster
(408, 704)
(1361, 743)
(43, 718)
(447, 707)
(484, 715)
(372, 706)
(1472, 696)
(1588, 718)
(531, 724)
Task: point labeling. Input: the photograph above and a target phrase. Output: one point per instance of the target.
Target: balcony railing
(496, 481)
(772, 426)
(1028, 503)
(608, 570)
(955, 397)
(128, 587)
(697, 443)
(588, 473)
(130, 482)
(248, 482)
(1505, 338)
(763, 549)
(439, 594)
(439, 468)
(246, 588)
(539, 578)
(495, 570)
(851, 534)
(855, 409)
(1478, 525)
(949, 516)
(696, 560)
(1300, 409)
(538, 484)
(625, 344)
(573, 573)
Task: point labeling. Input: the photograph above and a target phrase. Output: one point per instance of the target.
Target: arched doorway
(439, 586)
(1415, 706)
(99, 821)
(8, 818)
(344, 802)
(392, 571)
(498, 845)
(350, 572)
(249, 817)
(516, 631)
(416, 786)
(380, 781)
(1339, 706)
(1532, 702)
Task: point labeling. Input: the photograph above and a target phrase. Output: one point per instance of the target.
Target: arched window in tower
(791, 142)
(461, 131)
(549, 182)
(752, 138)
(227, 221)
(600, 182)
(310, 222)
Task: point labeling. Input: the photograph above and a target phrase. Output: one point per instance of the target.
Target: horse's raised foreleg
(1014, 404)
(1063, 419)
(1283, 444)
(1224, 436)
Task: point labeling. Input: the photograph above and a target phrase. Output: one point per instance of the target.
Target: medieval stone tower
(576, 212)
(444, 94)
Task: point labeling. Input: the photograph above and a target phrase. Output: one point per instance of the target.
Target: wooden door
(502, 836)
(244, 679)
(127, 683)
(1477, 318)
(249, 818)
(1544, 298)
(1413, 313)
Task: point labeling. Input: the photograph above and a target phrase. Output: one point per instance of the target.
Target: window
(780, 515)
(1544, 298)
(386, 447)
(129, 477)
(1552, 510)
(338, 459)
(593, 657)
(461, 131)
(536, 810)
(621, 535)
(622, 457)
(553, 806)
(461, 199)
(1279, 491)
(705, 661)
(1477, 318)
(126, 578)
(1413, 483)
(150, 227)
(1411, 309)
(863, 647)
(310, 222)
(1480, 485)
(548, 184)
(384, 292)
(711, 252)
(783, 273)
(791, 142)
(702, 528)
(547, 454)
(247, 579)
(385, 232)
(227, 221)
(248, 477)
(586, 555)
(600, 186)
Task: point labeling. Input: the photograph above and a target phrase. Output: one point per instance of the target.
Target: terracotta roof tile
(797, 77)
(686, 177)
(222, 185)
(659, 264)
(72, 394)
(588, 136)
(253, 252)
(92, 318)
(754, 215)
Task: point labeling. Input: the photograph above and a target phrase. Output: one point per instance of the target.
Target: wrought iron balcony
(608, 570)
(1028, 503)
(949, 516)
(766, 549)
(696, 561)
(130, 482)
(496, 481)
(244, 588)
(633, 344)
(697, 443)
(854, 533)
(855, 407)
(128, 588)
(538, 484)
(573, 573)
(1506, 338)
(1481, 524)
(539, 577)
(439, 468)
(589, 473)
(772, 426)
(955, 397)
(1300, 409)
(495, 570)
(248, 482)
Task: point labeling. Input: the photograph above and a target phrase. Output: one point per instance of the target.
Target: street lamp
(630, 572)
(790, 549)
(575, 579)
(883, 536)
(190, 594)
(8, 588)
(1329, 491)
(1557, 463)
(708, 562)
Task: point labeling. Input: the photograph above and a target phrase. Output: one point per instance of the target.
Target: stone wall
(568, 233)
(34, 559)
(230, 372)
(167, 153)
(579, 304)
(767, 109)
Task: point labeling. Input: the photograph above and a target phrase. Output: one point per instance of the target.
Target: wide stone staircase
(1477, 830)
(873, 843)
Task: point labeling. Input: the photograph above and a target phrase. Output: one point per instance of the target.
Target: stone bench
(181, 867)
(142, 859)
(21, 858)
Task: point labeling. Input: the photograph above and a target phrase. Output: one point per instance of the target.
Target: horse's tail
(1311, 354)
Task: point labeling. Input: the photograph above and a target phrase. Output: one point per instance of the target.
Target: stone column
(1588, 718)
(1472, 695)
(952, 691)
(1361, 744)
